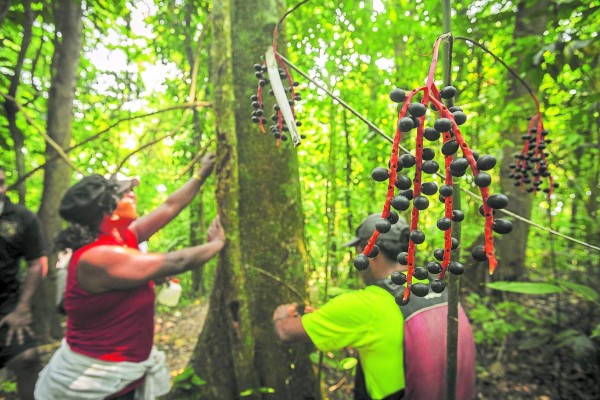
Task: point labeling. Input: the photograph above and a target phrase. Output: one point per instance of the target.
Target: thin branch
(276, 279)
(47, 138)
(102, 132)
(197, 157)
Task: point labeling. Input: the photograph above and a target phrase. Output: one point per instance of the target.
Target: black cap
(87, 201)
(398, 233)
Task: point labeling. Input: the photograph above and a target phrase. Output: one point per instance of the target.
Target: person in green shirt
(401, 348)
(368, 320)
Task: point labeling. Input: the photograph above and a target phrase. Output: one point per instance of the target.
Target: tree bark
(530, 21)
(65, 64)
(258, 193)
(224, 354)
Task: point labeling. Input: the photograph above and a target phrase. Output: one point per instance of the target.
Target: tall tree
(530, 24)
(68, 45)
(236, 352)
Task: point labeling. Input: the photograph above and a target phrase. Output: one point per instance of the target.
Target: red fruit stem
(447, 212)
(487, 210)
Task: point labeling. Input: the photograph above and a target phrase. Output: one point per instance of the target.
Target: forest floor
(503, 373)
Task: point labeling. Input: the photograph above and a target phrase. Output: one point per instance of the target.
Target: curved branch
(100, 133)
(47, 138)
(509, 69)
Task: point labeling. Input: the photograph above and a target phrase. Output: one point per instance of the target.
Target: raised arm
(149, 224)
(105, 268)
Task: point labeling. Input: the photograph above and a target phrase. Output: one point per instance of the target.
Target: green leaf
(525, 287)
(196, 380)
(348, 363)
(533, 342)
(247, 392)
(583, 291)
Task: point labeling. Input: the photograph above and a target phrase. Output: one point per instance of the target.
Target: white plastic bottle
(170, 294)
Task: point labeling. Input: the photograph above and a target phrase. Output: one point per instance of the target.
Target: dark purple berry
(383, 225)
(448, 92)
(417, 109)
(442, 125)
(428, 154)
(431, 134)
(458, 216)
(437, 285)
(421, 202)
(397, 95)
(398, 278)
(456, 268)
(420, 273)
(374, 252)
(438, 254)
(406, 124)
(408, 160)
(486, 162)
(444, 223)
(434, 267)
(429, 188)
(380, 174)
(449, 147)
(497, 201)
(419, 289)
(403, 182)
(502, 226)
(417, 236)
(455, 243)
(483, 179)
(430, 167)
(478, 253)
(446, 190)
(400, 203)
(402, 258)
(393, 217)
(459, 117)
(361, 262)
(459, 166)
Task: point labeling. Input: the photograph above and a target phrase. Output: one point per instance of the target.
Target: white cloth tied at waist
(73, 376)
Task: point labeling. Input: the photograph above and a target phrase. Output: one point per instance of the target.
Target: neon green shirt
(370, 321)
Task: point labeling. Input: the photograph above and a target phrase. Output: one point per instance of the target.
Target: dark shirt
(20, 238)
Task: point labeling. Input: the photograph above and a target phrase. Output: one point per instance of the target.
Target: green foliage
(188, 382)
(493, 322)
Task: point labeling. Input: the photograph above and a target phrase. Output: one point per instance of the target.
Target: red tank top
(111, 326)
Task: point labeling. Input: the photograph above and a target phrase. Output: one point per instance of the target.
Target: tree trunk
(530, 21)
(60, 119)
(259, 201)
(10, 107)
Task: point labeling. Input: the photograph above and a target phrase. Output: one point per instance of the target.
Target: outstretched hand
(18, 322)
(206, 165)
(215, 231)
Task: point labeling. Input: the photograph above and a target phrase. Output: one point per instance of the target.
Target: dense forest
(146, 87)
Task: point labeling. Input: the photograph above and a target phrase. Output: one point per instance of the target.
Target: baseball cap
(398, 233)
(124, 183)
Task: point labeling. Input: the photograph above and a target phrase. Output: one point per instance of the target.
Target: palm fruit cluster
(404, 192)
(278, 127)
(531, 166)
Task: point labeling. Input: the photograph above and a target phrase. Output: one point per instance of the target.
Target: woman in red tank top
(109, 295)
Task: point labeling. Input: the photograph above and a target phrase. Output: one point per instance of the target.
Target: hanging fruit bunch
(274, 73)
(531, 165)
(402, 191)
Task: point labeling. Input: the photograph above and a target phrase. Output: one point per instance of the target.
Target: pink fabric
(425, 355)
(112, 326)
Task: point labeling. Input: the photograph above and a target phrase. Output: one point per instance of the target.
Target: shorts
(7, 353)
